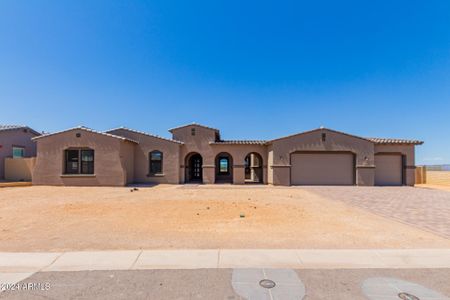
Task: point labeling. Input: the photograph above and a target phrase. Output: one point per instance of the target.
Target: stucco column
(265, 175)
(365, 175)
(252, 165)
(182, 174)
(410, 173)
(239, 174)
(281, 175)
(208, 174)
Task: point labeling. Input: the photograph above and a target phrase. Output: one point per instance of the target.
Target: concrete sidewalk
(15, 267)
(14, 262)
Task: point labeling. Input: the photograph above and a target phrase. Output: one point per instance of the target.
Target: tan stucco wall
(108, 166)
(127, 160)
(147, 144)
(239, 152)
(200, 143)
(184, 134)
(10, 138)
(409, 152)
(19, 169)
(312, 141)
(269, 164)
(365, 176)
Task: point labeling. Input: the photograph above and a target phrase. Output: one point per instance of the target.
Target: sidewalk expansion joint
(135, 261)
(51, 263)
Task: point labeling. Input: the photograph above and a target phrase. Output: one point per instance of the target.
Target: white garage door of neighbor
(388, 169)
(322, 169)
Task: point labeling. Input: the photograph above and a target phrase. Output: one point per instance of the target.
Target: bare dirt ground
(14, 183)
(434, 186)
(41, 218)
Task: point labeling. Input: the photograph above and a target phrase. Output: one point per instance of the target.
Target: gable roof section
(380, 141)
(146, 134)
(17, 127)
(319, 129)
(193, 124)
(384, 141)
(88, 130)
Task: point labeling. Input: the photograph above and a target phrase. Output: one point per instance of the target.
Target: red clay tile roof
(86, 129)
(145, 133)
(395, 141)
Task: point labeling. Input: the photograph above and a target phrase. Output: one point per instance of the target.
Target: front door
(196, 168)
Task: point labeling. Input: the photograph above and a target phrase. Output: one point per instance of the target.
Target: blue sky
(257, 70)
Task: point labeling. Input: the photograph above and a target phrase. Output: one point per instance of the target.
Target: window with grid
(79, 161)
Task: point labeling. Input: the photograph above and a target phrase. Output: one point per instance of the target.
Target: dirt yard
(434, 187)
(42, 218)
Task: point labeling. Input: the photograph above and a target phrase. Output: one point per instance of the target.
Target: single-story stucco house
(197, 154)
(15, 145)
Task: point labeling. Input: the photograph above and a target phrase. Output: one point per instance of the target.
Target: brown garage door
(388, 169)
(322, 168)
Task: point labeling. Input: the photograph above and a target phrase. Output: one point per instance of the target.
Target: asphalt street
(231, 284)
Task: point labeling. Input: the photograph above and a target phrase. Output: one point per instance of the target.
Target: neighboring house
(15, 142)
(197, 154)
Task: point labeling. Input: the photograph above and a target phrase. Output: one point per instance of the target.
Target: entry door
(196, 169)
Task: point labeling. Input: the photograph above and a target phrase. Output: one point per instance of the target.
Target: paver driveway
(424, 208)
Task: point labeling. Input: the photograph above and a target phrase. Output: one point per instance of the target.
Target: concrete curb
(13, 262)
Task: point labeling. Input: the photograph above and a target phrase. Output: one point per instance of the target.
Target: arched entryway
(194, 168)
(253, 168)
(224, 168)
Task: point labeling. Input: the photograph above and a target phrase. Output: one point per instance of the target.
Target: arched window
(156, 162)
